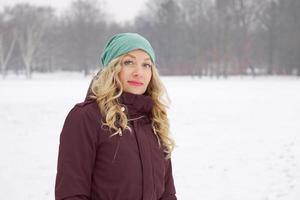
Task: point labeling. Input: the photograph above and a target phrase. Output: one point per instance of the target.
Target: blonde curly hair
(106, 87)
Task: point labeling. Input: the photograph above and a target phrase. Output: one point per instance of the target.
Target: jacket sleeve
(170, 191)
(76, 156)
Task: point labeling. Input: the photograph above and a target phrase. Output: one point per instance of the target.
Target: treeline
(194, 37)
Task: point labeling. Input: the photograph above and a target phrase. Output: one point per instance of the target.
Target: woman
(115, 145)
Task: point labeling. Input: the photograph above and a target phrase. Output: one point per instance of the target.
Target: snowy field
(237, 139)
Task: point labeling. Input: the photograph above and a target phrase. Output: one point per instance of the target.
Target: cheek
(122, 80)
(122, 76)
(149, 75)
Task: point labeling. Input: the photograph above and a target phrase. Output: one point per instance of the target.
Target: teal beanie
(123, 43)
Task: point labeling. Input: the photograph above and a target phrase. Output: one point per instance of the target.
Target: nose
(138, 71)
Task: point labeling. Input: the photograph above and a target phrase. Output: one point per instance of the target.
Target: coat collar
(136, 105)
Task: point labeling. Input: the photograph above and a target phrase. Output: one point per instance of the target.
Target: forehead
(137, 54)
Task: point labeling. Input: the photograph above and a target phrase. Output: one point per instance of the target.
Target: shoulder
(87, 110)
(87, 105)
(81, 126)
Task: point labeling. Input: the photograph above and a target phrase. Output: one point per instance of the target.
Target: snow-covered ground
(237, 139)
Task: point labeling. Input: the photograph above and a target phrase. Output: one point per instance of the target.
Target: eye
(127, 62)
(147, 65)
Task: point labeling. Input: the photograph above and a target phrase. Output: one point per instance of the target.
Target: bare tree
(198, 31)
(268, 16)
(31, 23)
(243, 12)
(7, 40)
(165, 25)
(288, 40)
(86, 25)
(196, 37)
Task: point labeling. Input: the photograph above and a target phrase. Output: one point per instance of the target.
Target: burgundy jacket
(94, 166)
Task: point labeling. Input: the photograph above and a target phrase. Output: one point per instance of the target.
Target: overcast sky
(120, 10)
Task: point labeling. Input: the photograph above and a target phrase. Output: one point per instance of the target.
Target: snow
(237, 138)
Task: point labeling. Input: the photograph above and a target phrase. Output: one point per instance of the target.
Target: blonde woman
(116, 144)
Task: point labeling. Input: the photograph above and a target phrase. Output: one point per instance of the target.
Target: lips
(135, 83)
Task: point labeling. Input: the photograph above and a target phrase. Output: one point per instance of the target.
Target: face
(136, 72)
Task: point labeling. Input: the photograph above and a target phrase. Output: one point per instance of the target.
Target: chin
(135, 91)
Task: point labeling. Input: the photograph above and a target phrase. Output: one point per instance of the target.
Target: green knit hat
(123, 43)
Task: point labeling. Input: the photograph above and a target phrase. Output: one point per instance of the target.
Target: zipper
(119, 134)
(117, 149)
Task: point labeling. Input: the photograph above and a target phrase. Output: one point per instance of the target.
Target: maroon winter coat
(94, 166)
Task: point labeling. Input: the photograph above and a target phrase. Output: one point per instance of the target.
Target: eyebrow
(135, 57)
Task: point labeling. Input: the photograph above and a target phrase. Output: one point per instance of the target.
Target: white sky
(120, 10)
